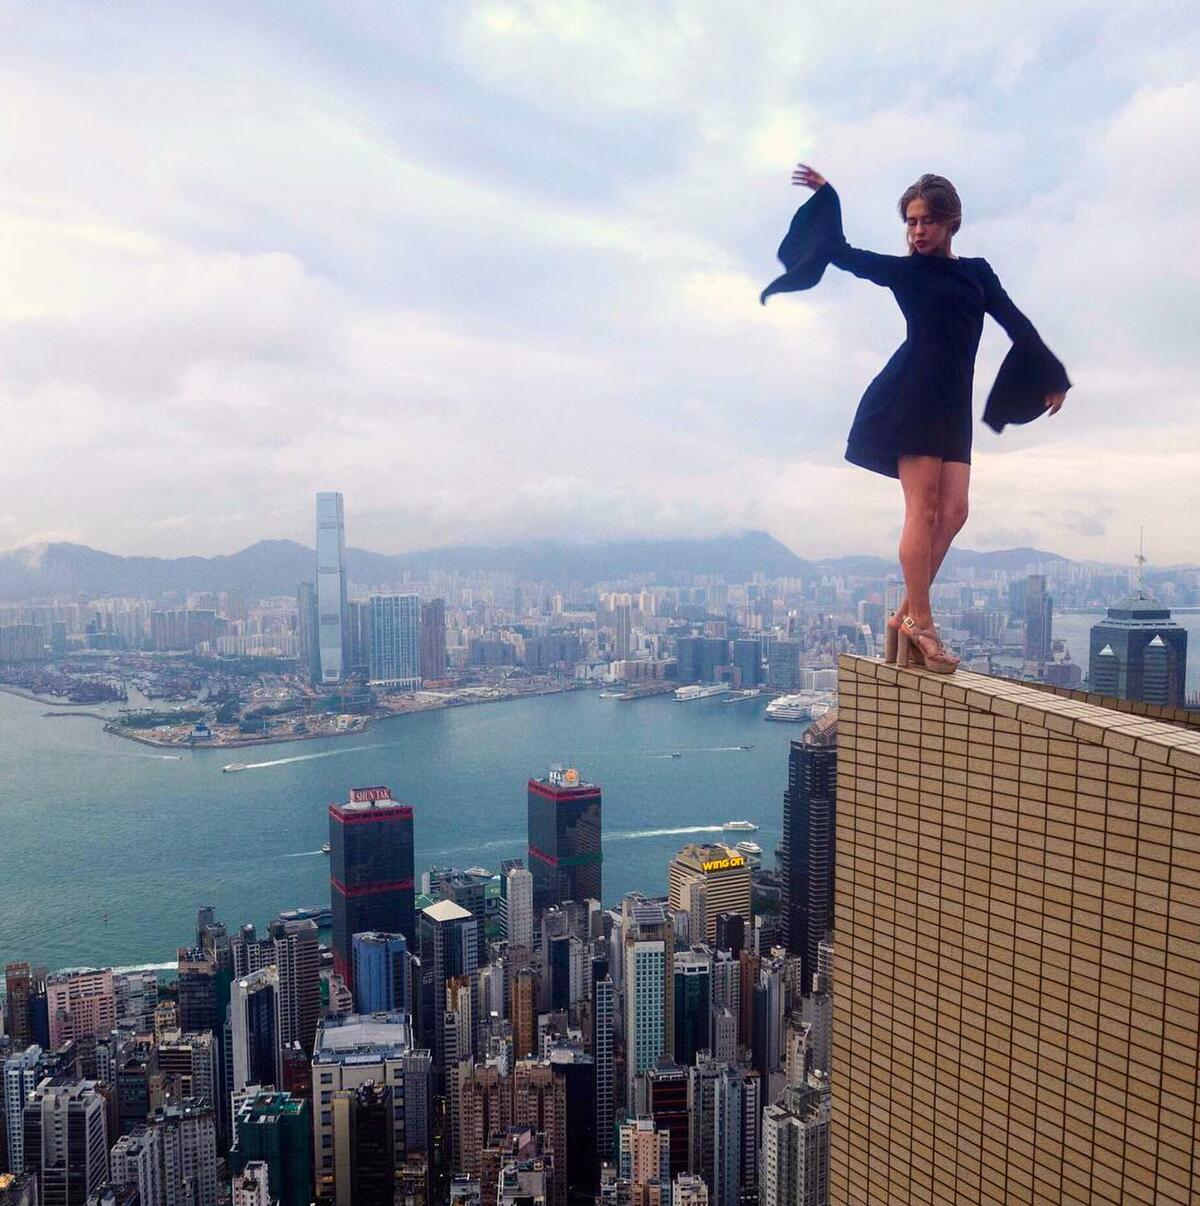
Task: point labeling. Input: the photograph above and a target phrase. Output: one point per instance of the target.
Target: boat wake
(303, 853)
(629, 835)
(354, 749)
(704, 749)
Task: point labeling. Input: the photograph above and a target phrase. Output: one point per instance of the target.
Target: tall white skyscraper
(395, 656)
(331, 586)
(516, 905)
(649, 993)
(20, 1079)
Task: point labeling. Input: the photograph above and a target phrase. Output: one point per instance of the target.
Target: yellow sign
(572, 776)
(722, 864)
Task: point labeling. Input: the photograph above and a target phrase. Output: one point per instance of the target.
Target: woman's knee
(952, 515)
(922, 509)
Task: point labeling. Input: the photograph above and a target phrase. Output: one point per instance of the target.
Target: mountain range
(275, 567)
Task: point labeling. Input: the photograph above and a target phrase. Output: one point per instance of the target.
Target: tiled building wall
(1017, 1007)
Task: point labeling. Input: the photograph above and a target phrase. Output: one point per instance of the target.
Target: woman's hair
(940, 195)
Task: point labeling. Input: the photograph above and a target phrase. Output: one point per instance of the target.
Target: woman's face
(927, 235)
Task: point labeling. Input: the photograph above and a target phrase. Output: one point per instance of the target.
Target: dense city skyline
(509, 255)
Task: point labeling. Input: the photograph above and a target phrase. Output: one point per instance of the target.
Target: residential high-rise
(1046, 1044)
(1039, 612)
(727, 883)
(644, 1160)
(1138, 652)
(667, 1104)
(603, 1021)
(298, 961)
(308, 631)
(649, 984)
(188, 1064)
(807, 848)
(331, 586)
(724, 1102)
(80, 1004)
(350, 1052)
(485, 1110)
(395, 640)
(688, 1190)
(273, 1128)
(540, 1103)
(693, 1003)
(187, 1132)
(433, 639)
(21, 1076)
(564, 839)
(524, 1012)
(252, 1186)
(198, 990)
(382, 973)
(794, 1170)
(18, 989)
(255, 1022)
(370, 870)
(516, 903)
(136, 1159)
(65, 1140)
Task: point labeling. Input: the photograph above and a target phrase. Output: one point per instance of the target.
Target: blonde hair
(940, 195)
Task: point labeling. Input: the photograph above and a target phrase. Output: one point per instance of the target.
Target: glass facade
(564, 840)
(331, 587)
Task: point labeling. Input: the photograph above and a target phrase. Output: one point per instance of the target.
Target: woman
(914, 421)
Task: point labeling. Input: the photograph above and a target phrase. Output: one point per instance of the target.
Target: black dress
(921, 403)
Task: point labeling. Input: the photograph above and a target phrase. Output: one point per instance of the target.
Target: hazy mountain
(1013, 561)
(274, 567)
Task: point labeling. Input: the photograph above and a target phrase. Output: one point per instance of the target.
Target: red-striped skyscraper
(564, 839)
(371, 871)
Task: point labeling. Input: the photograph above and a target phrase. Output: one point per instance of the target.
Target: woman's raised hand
(1054, 402)
(809, 177)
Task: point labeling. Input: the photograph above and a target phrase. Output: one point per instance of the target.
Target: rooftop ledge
(1168, 736)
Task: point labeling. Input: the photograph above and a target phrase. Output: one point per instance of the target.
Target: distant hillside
(275, 567)
(1013, 561)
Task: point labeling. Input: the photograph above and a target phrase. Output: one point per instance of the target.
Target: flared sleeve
(1028, 373)
(815, 240)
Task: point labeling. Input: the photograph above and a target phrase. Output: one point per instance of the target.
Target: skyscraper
(449, 949)
(18, 988)
(382, 973)
(395, 640)
(80, 1004)
(298, 961)
(65, 1140)
(136, 1159)
(1138, 652)
(644, 1160)
(20, 1078)
(649, 982)
(693, 1003)
(564, 839)
(603, 1021)
(331, 587)
(795, 1150)
(308, 630)
(727, 883)
(1039, 610)
(433, 639)
(807, 849)
(516, 903)
(371, 870)
(273, 1128)
(254, 1014)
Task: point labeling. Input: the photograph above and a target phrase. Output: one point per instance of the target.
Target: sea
(108, 847)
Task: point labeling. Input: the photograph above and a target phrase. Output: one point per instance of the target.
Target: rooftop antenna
(1140, 558)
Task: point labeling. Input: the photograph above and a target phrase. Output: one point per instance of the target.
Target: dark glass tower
(1138, 652)
(564, 839)
(371, 871)
(808, 842)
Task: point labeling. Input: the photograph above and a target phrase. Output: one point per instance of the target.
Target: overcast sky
(492, 269)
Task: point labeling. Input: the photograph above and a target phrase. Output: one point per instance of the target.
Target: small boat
(745, 747)
(676, 755)
(171, 757)
(739, 826)
(234, 766)
(325, 847)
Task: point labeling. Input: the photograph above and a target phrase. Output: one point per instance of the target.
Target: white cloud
(493, 272)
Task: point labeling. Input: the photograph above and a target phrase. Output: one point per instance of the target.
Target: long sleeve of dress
(815, 239)
(1029, 372)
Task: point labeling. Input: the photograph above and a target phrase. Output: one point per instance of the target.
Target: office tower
(783, 665)
(298, 962)
(249, 953)
(395, 640)
(358, 637)
(691, 918)
(577, 1070)
(255, 1018)
(138, 1084)
(80, 1004)
(198, 995)
(649, 991)
(699, 657)
(795, 1150)
(433, 639)
(136, 998)
(1138, 652)
(136, 1159)
(540, 1103)
(18, 989)
(667, 1104)
(449, 949)
(364, 1155)
(1042, 1016)
(331, 587)
(252, 1186)
(21, 1076)
(516, 904)
(356, 1049)
(65, 1140)
(273, 1128)
(731, 933)
(1039, 610)
(643, 1159)
(693, 1003)
(769, 1017)
(308, 631)
(807, 848)
(727, 883)
(623, 626)
(370, 870)
(469, 890)
(382, 976)
(688, 1190)
(747, 657)
(564, 839)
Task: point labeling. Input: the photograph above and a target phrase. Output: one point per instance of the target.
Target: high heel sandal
(910, 653)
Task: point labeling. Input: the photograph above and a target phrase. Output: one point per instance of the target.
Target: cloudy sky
(492, 269)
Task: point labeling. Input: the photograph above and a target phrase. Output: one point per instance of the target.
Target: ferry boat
(750, 849)
(739, 826)
(806, 705)
(234, 766)
(325, 848)
(685, 694)
(738, 696)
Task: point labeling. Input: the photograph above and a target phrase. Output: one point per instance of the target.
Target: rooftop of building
(446, 910)
(560, 779)
(270, 1103)
(363, 1038)
(702, 856)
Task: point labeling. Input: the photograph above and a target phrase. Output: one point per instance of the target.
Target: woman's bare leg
(953, 488)
(920, 479)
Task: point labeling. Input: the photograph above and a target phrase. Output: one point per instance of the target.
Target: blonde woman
(914, 421)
